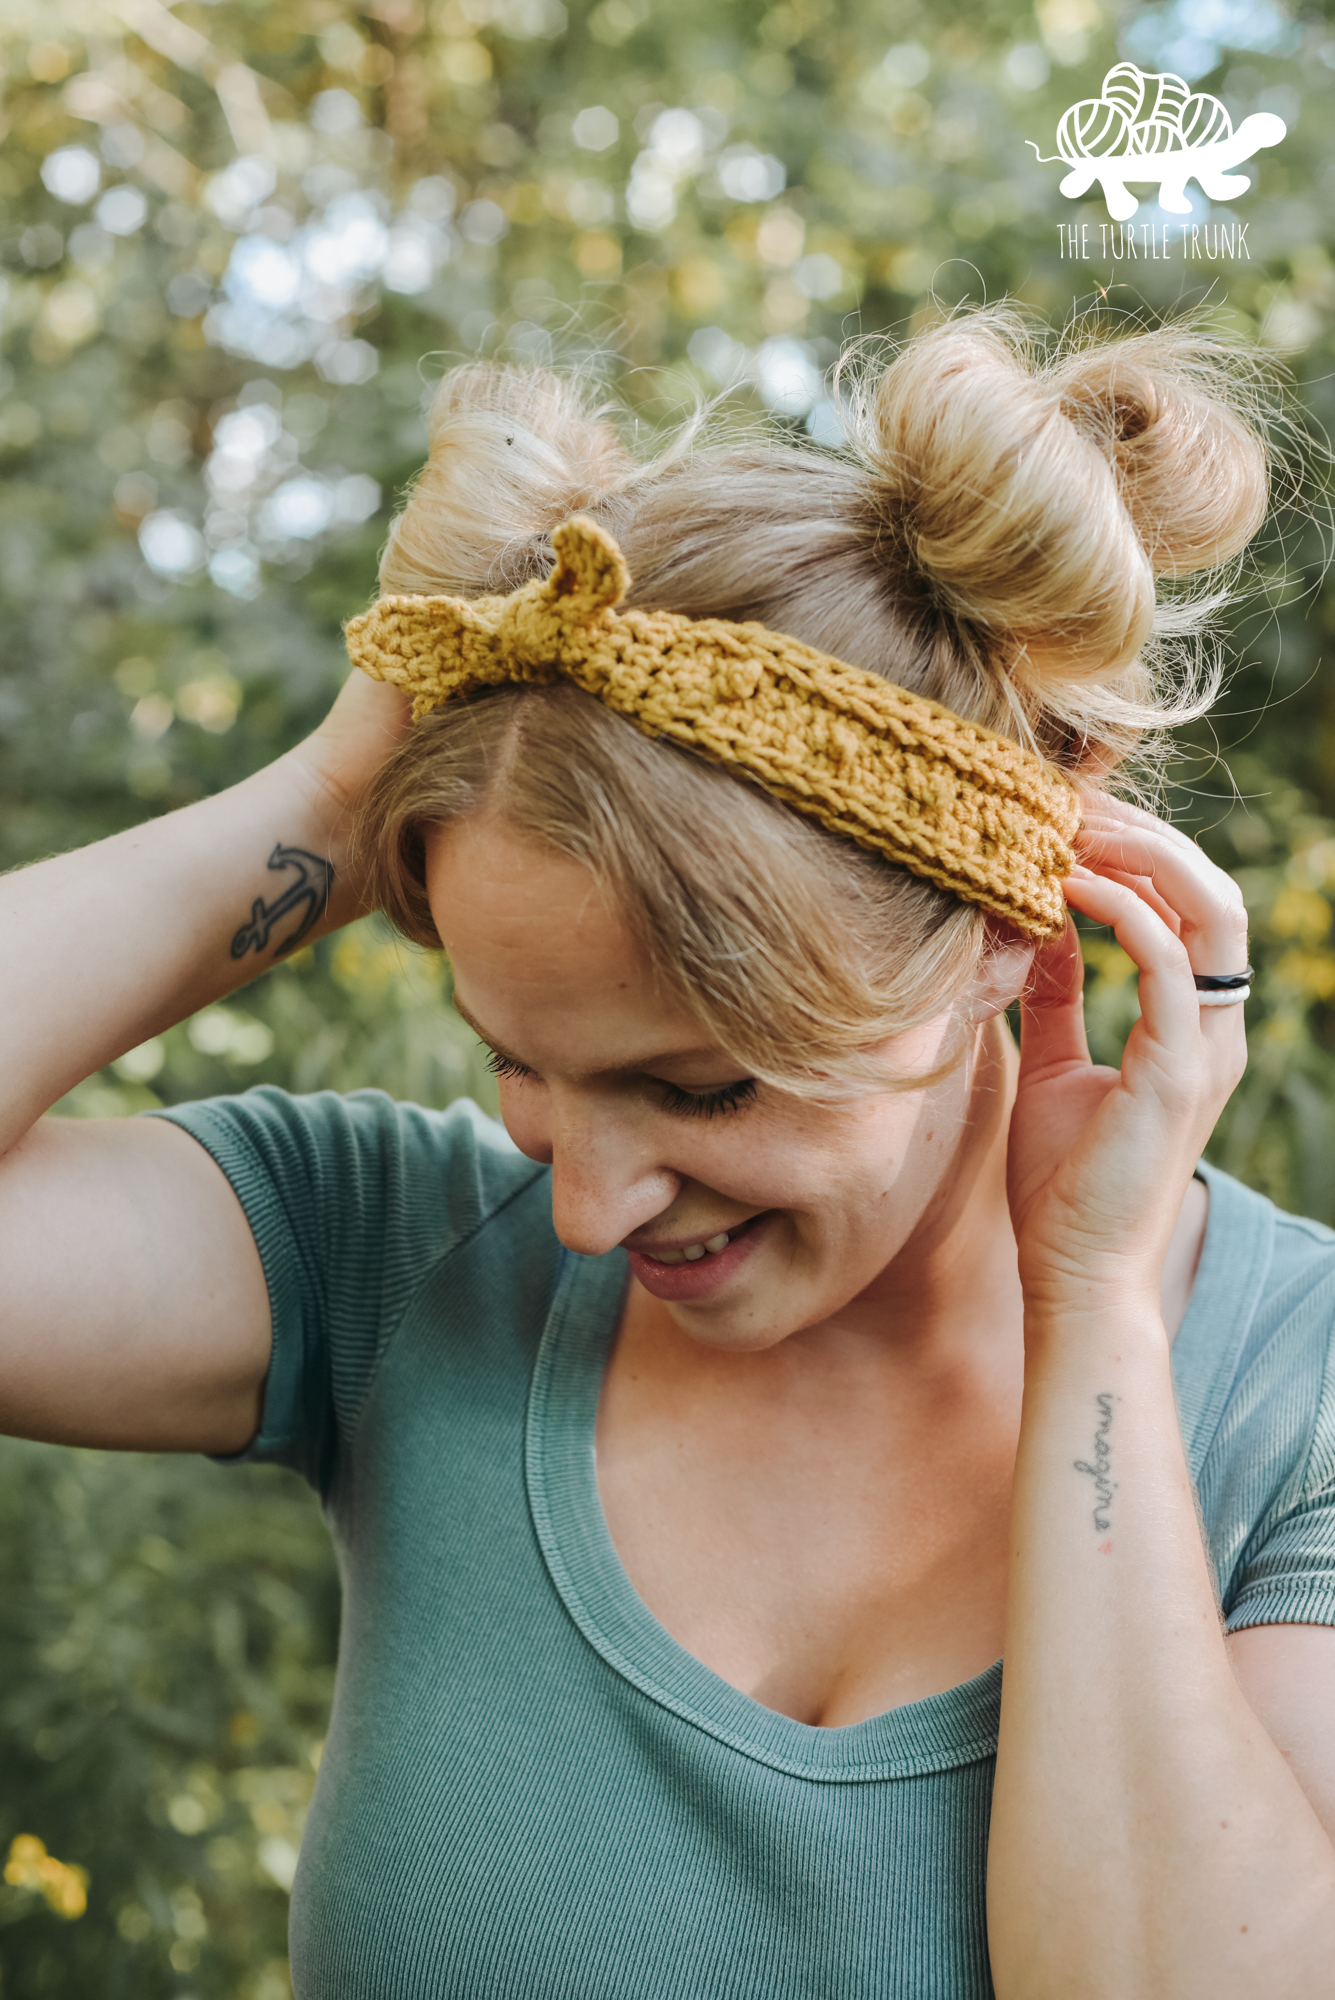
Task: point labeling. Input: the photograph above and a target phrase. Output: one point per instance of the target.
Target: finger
(1206, 904)
(1052, 1010)
(1104, 807)
(1169, 1005)
(1113, 816)
(1145, 889)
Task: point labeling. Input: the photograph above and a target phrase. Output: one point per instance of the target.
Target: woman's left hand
(1099, 1158)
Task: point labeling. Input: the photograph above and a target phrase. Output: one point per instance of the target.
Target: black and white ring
(1223, 982)
(1224, 989)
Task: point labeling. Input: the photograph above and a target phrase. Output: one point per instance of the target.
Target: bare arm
(131, 1297)
(1150, 1835)
(1287, 1673)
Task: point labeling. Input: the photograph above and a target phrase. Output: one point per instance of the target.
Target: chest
(525, 1790)
(832, 1555)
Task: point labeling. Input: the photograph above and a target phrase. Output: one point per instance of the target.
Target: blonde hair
(991, 535)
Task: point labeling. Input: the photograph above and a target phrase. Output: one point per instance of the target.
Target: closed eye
(680, 1103)
(500, 1065)
(708, 1103)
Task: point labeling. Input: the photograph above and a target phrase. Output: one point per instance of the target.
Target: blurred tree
(229, 236)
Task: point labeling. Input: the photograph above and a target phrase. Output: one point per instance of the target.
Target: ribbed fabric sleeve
(352, 1200)
(1285, 1454)
(1256, 1391)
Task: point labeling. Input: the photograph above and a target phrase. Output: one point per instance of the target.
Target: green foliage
(215, 312)
(167, 1659)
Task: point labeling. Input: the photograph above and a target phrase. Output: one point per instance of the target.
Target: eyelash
(500, 1065)
(709, 1103)
(682, 1103)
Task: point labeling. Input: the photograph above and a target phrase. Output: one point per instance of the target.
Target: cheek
(870, 1179)
(841, 1167)
(523, 1108)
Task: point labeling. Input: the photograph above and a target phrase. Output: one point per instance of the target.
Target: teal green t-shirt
(530, 1791)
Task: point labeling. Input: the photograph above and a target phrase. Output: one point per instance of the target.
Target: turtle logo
(1148, 127)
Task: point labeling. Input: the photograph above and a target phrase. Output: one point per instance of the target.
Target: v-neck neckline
(938, 1732)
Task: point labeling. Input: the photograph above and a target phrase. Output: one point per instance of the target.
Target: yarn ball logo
(1148, 127)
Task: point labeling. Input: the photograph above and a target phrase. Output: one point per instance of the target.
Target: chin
(763, 1317)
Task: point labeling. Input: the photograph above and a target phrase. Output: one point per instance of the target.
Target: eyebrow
(612, 1069)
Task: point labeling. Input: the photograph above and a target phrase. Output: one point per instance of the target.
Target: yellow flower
(1311, 972)
(1300, 913)
(26, 1855)
(64, 1886)
(362, 967)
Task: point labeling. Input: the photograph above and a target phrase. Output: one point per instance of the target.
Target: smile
(693, 1252)
(696, 1253)
(688, 1273)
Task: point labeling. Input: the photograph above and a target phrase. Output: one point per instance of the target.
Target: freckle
(1223, 1822)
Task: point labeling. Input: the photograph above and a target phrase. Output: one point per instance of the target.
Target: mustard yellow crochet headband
(944, 798)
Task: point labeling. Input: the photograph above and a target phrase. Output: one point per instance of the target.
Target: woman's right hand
(361, 729)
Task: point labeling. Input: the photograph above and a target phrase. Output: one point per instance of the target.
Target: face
(751, 1213)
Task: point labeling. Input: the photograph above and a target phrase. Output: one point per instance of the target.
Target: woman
(694, 1454)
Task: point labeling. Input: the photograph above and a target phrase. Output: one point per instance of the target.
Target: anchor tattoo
(315, 878)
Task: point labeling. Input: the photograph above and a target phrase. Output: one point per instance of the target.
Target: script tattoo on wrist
(306, 897)
(1100, 1470)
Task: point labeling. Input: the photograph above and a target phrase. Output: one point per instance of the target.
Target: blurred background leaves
(239, 242)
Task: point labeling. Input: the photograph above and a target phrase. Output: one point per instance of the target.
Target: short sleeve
(1286, 1573)
(353, 1201)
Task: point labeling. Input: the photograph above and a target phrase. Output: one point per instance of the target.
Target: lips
(693, 1252)
(693, 1271)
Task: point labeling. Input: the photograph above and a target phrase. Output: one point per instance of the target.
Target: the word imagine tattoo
(309, 893)
(1104, 1487)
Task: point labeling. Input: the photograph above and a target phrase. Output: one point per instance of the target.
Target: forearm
(1147, 1837)
(108, 945)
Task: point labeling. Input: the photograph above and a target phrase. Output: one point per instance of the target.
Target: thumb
(1052, 1011)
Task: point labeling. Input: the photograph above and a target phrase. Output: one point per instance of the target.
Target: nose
(607, 1177)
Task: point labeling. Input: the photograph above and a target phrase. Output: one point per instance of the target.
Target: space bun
(512, 453)
(1041, 498)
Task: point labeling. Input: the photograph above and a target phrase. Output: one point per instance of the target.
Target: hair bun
(512, 453)
(1040, 497)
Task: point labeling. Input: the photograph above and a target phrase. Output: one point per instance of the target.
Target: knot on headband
(940, 796)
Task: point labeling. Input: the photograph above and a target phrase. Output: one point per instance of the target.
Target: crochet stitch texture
(942, 797)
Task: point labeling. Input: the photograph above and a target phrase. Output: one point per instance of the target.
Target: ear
(1003, 974)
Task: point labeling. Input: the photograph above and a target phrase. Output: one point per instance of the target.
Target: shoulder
(1253, 1359)
(1271, 1273)
(1256, 1386)
(361, 1157)
(356, 1203)
(1260, 1267)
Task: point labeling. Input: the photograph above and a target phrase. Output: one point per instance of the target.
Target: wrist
(324, 813)
(1088, 1328)
(1089, 1286)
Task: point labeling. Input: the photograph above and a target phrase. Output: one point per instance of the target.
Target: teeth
(695, 1251)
